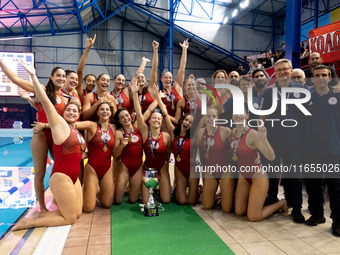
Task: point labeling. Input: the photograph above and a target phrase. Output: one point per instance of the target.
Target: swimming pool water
(15, 166)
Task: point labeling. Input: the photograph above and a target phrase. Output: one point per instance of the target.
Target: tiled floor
(275, 235)
(91, 234)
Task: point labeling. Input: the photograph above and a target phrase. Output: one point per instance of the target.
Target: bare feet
(284, 207)
(22, 224)
(43, 212)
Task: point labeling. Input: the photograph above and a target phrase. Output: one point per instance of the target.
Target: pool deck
(277, 234)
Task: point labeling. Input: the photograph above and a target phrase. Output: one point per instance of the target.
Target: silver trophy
(150, 180)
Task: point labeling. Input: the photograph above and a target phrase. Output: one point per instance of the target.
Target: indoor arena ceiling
(26, 18)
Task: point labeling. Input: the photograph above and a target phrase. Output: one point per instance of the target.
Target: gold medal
(105, 148)
(119, 106)
(234, 158)
(172, 107)
(82, 147)
(130, 138)
(178, 158)
(207, 155)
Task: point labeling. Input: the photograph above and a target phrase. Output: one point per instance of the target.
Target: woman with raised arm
(213, 144)
(172, 94)
(42, 142)
(144, 92)
(253, 183)
(156, 145)
(68, 146)
(191, 103)
(180, 137)
(92, 100)
(89, 79)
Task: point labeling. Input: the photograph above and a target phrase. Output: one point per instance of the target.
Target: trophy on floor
(150, 180)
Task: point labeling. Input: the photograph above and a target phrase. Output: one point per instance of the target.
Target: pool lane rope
(23, 182)
(15, 188)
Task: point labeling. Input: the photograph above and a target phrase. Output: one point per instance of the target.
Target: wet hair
(68, 72)
(101, 76)
(117, 76)
(111, 108)
(90, 75)
(72, 101)
(50, 88)
(116, 117)
(319, 67)
(177, 130)
(164, 71)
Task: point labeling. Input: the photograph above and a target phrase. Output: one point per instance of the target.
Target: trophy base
(149, 212)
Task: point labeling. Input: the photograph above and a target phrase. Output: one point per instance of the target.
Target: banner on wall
(16, 112)
(326, 41)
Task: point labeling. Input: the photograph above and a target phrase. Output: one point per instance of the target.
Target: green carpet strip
(177, 230)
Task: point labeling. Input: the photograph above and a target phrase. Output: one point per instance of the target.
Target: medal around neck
(150, 180)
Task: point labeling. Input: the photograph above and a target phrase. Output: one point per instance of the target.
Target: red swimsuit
(132, 154)
(217, 152)
(67, 156)
(147, 100)
(126, 103)
(100, 160)
(246, 157)
(168, 103)
(83, 96)
(60, 107)
(158, 157)
(73, 95)
(184, 164)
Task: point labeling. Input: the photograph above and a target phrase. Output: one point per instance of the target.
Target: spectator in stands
(283, 54)
(298, 76)
(234, 76)
(304, 55)
(251, 68)
(257, 64)
(260, 79)
(278, 55)
(315, 60)
(268, 60)
(241, 70)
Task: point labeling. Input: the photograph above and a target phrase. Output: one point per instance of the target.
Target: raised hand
(90, 41)
(146, 59)
(29, 69)
(191, 76)
(262, 131)
(125, 141)
(155, 45)
(133, 85)
(24, 95)
(154, 90)
(185, 44)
